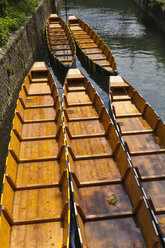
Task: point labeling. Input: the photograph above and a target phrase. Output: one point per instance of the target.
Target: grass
(13, 14)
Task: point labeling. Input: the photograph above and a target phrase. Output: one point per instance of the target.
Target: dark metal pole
(66, 10)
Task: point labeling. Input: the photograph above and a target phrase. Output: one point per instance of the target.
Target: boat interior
(59, 40)
(91, 44)
(35, 199)
(144, 135)
(108, 201)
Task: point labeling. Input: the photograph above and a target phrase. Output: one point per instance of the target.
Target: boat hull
(61, 46)
(92, 48)
(143, 134)
(101, 174)
(35, 203)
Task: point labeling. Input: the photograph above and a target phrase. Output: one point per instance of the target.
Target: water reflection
(137, 46)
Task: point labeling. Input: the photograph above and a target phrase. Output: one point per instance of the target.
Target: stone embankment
(155, 10)
(18, 55)
(24, 46)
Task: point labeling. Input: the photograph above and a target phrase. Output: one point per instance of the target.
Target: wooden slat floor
(98, 177)
(57, 35)
(145, 139)
(37, 198)
(88, 43)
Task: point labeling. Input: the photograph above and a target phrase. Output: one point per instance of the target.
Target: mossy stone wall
(23, 48)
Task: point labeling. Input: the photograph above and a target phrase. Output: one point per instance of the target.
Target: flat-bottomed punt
(92, 48)
(35, 200)
(60, 42)
(109, 206)
(144, 134)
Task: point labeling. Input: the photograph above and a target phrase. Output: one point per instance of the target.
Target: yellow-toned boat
(60, 43)
(35, 203)
(91, 47)
(110, 208)
(144, 135)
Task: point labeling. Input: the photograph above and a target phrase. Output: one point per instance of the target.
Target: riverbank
(155, 10)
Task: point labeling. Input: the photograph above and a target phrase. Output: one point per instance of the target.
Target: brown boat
(91, 47)
(35, 207)
(144, 135)
(60, 43)
(110, 208)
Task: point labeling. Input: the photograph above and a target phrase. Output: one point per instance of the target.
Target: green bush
(157, 2)
(13, 14)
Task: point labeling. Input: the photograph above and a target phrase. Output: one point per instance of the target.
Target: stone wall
(154, 11)
(23, 48)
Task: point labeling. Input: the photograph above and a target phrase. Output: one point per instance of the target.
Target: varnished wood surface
(39, 129)
(48, 235)
(34, 173)
(144, 138)
(113, 233)
(96, 170)
(38, 149)
(58, 37)
(95, 173)
(89, 196)
(39, 100)
(33, 197)
(85, 127)
(81, 112)
(86, 39)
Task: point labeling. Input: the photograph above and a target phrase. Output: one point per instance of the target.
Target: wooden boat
(144, 135)
(91, 47)
(35, 208)
(110, 208)
(60, 43)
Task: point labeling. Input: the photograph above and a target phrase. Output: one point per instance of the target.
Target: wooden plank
(31, 150)
(5, 232)
(39, 88)
(39, 114)
(155, 189)
(161, 221)
(96, 170)
(108, 200)
(142, 142)
(117, 82)
(77, 97)
(39, 129)
(82, 112)
(7, 198)
(85, 127)
(27, 204)
(50, 234)
(41, 173)
(97, 233)
(40, 100)
(132, 124)
(125, 108)
(91, 146)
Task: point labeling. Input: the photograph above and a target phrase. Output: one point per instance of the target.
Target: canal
(137, 45)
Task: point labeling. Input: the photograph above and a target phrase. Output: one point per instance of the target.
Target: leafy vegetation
(13, 14)
(160, 3)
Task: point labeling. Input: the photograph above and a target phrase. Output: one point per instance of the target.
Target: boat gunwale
(70, 40)
(65, 174)
(92, 64)
(74, 181)
(130, 154)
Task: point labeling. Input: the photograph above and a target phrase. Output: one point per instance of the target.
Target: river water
(137, 45)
